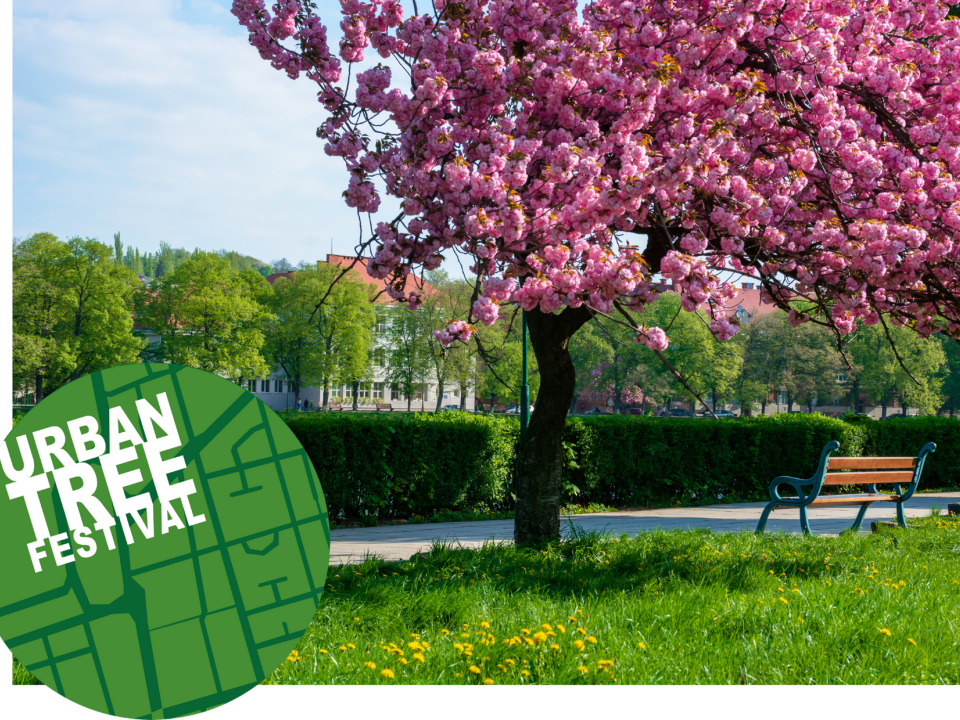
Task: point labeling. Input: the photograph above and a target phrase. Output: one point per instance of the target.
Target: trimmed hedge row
(399, 465)
(395, 466)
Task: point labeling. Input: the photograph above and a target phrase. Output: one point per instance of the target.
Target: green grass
(21, 676)
(664, 607)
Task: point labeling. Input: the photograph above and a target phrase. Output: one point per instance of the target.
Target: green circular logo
(163, 541)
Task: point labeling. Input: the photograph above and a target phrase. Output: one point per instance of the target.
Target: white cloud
(159, 120)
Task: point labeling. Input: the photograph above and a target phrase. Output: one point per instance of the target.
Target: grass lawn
(664, 607)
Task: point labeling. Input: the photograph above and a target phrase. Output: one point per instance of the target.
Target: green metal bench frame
(815, 483)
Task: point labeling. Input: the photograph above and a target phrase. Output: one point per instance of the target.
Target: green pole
(524, 388)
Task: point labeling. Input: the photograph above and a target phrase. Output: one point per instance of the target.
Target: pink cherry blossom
(580, 155)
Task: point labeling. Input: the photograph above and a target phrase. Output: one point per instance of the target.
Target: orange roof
(411, 284)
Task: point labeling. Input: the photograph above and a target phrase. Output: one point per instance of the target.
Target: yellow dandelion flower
(911, 641)
(356, 619)
(323, 651)
(583, 669)
(503, 668)
(643, 646)
(571, 618)
(415, 636)
(511, 661)
(539, 637)
(415, 645)
(578, 644)
(784, 601)
(592, 640)
(561, 628)
(475, 670)
(419, 656)
(604, 663)
(546, 627)
(445, 631)
(555, 647)
(342, 647)
(371, 665)
(485, 624)
(351, 646)
(488, 681)
(387, 673)
(524, 672)
(885, 631)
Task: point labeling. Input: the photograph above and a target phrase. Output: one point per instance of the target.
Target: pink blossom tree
(813, 145)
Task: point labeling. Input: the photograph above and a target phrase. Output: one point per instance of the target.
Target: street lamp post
(524, 388)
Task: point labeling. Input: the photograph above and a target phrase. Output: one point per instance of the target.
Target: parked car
(723, 414)
(595, 411)
(679, 412)
(515, 410)
(450, 408)
(632, 411)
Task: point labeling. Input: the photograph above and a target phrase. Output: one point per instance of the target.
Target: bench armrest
(795, 483)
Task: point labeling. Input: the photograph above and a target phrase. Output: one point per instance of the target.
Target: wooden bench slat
(871, 463)
(861, 478)
(848, 500)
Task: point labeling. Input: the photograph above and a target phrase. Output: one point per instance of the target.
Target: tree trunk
(356, 393)
(540, 457)
(789, 403)
(463, 396)
(883, 409)
(326, 396)
(763, 406)
(439, 394)
(38, 390)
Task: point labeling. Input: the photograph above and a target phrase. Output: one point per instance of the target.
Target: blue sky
(157, 119)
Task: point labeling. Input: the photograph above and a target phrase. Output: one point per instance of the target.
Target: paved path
(399, 542)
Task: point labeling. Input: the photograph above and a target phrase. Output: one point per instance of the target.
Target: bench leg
(856, 523)
(763, 517)
(901, 521)
(804, 525)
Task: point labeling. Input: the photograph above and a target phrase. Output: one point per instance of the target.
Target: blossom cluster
(807, 144)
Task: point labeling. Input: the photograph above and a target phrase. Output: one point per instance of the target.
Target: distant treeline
(167, 258)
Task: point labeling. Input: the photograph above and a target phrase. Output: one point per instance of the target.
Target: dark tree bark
(326, 395)
(356, 394)
(463, 396)
(540, 458)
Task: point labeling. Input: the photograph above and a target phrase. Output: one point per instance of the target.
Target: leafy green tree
(209, 316)
(700, 361)
(344, 321)
(883, 378)
(951, 374)
(813, 364)
(117, 249)
(294, 344)
(72, 310)
(449, 299)
(407, 352)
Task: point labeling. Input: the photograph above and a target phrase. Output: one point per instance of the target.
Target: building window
(378, 391)
(364, 390)
(456, 392)
(418, 394)
(252, 385)
(380, 356)
(382, 324)
(264, 386)
(782, 399)
(395, 392)
(841, 377)
(348, 390)
(278, 386)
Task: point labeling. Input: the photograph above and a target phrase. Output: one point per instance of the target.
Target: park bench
(384, 406)
(869, 471)
(335, 406)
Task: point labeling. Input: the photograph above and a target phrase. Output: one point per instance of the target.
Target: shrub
(628, 461)
(400, 465)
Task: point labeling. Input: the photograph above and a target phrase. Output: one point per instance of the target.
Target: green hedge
(398, 465)
(395, 466)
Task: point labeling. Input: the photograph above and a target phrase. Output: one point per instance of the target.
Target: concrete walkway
(399, 542)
